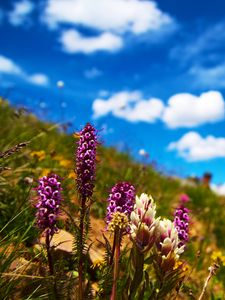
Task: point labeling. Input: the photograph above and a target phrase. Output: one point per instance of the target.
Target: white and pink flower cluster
(148, 231)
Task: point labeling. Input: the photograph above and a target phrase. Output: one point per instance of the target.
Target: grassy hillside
(50, 150)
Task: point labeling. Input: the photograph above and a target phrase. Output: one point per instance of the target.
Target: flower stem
(212, 271)
(50, 263)
(80, 266)
(117, 238)
(113, 250)
(138, 265)
(48, 247)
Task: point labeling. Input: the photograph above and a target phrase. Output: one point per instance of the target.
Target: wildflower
(45, 172)
(40, 155)
(184, 198)
(62, 161)
(181, 222)
(121, 199)
(167, 243)
(85, 171)
(121, 203)
(85, 160)
(49, 199)
(178, 264)
(72, 175)
(143, 222)
(119, 220)
(65, 163)
(217, 256)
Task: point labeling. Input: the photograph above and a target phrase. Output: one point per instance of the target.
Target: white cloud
(74, 42)
(204, 45)
(203, 56)
(181, 110)
(218, 189)
(8, 66)
(129, 106)
(193, 147)
(107, 15)
(211, 77)
(187, 110)
(92, 73)
(38, 79)
(20, 13)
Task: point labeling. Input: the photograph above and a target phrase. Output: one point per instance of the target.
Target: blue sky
(150, 73)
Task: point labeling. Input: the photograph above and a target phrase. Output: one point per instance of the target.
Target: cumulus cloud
(110, 19)
(129, 106)
(187, 110)
(218, 189)
(38, 79)
(74, 42)
(8, 66)
(181, 110)
(20, 13)
(193, 147)
(107, 15)
(92, 73)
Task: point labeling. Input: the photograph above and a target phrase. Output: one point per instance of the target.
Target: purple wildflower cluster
(85, 160)
(121, 199)
(181, 222)
(49, 199)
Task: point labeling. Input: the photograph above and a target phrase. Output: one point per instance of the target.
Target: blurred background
(149, 74)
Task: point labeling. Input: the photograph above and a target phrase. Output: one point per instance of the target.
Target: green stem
(48, 247)
(138, 265)
(50, 263)
(117, 238)
(113, 250)
(81, 229)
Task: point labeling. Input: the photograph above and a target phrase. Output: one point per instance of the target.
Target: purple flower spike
(86, 160)
(181, 222)
(49, 199)
(121, 199)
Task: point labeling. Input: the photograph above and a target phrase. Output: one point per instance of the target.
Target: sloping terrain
(51, 150)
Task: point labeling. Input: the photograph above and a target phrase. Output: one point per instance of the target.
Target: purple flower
(181, 222)
(86, 160)
(184, 198)
(121, 199)
(49, 199)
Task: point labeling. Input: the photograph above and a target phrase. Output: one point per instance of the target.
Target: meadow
(104, 253)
